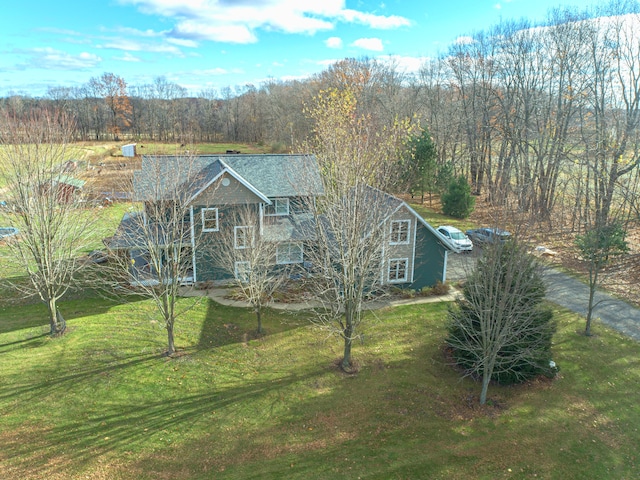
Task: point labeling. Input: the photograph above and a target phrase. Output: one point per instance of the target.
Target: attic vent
(225, 182)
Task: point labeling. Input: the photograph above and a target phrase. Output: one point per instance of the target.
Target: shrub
(440, 288)
(457, 201)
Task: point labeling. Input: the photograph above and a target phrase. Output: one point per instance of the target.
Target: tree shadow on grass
(35, 314)
(54, 383)
(127, 427)
(225, 325)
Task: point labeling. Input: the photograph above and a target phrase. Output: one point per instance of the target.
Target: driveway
(567, 292)
(573, 295)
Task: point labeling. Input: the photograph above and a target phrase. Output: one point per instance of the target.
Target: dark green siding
(429, 259)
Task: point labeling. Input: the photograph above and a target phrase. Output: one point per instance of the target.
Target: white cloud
(51, 59)
(333, 42)
(404, 63)
(238, 21)
(497, 6)
(373, 44)
(127, 57)
(182, 42)
(210, 72)
(374, 21)
(134, 46)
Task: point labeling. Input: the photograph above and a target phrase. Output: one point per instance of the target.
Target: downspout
(444, 269)
(193, 244)
(413, 257)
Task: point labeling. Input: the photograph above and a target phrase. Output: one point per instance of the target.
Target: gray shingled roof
(272, 175)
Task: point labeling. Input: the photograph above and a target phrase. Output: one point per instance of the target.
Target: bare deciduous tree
(46, 206)
(357, 163)
(251, 260)
(154, 247)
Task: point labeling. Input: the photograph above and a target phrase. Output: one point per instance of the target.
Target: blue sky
(213, 44)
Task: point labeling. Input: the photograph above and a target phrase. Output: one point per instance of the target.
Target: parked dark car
(488, 235)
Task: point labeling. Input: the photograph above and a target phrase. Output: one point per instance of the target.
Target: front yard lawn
(101, 402)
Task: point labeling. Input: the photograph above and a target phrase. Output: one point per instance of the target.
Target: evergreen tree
(500, 330)
(457, 200)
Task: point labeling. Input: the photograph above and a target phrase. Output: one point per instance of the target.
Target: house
(280, 189)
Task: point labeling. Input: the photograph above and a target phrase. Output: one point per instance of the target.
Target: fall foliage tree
(113, 89)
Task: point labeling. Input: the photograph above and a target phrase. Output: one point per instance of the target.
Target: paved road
(569, 293)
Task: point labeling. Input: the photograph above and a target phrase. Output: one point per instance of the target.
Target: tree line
(535, 116)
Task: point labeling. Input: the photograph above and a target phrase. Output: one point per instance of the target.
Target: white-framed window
(242, 270)
(398, 269)
(399, 233)
(279, 206)
(242, 237)
(209, 219)
(287, 253)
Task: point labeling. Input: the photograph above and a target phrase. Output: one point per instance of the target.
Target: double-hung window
(398, 270)
(242, 271)
(242, 237)
(287, 253)
(209, 219)
(399, 233)
(278, 207)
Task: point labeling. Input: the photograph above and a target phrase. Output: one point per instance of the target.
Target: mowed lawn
(102, 403)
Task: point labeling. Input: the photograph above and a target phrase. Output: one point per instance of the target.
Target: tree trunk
(348, 340)
(171, 348)
(593, 282)
(62, 323)
(486, 379)
(346, 358)
(259, 317)
(57, 323)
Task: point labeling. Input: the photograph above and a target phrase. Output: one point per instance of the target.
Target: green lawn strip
(435, 219)
(161, 148)
(103, 402)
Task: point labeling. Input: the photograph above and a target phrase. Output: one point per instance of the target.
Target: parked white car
(456, 237)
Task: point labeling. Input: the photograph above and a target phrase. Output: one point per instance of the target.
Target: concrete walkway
(220, 296)
(573, 295)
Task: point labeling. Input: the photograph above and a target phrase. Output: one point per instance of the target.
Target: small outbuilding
(129, 150)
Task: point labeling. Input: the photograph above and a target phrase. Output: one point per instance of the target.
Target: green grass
(101, 402)
(436, 219)
(158, 148)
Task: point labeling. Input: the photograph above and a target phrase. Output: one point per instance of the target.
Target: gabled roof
(267, 175)
(68, 180)
(392, 204)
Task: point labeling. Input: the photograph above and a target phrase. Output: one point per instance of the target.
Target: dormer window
(279, 206)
